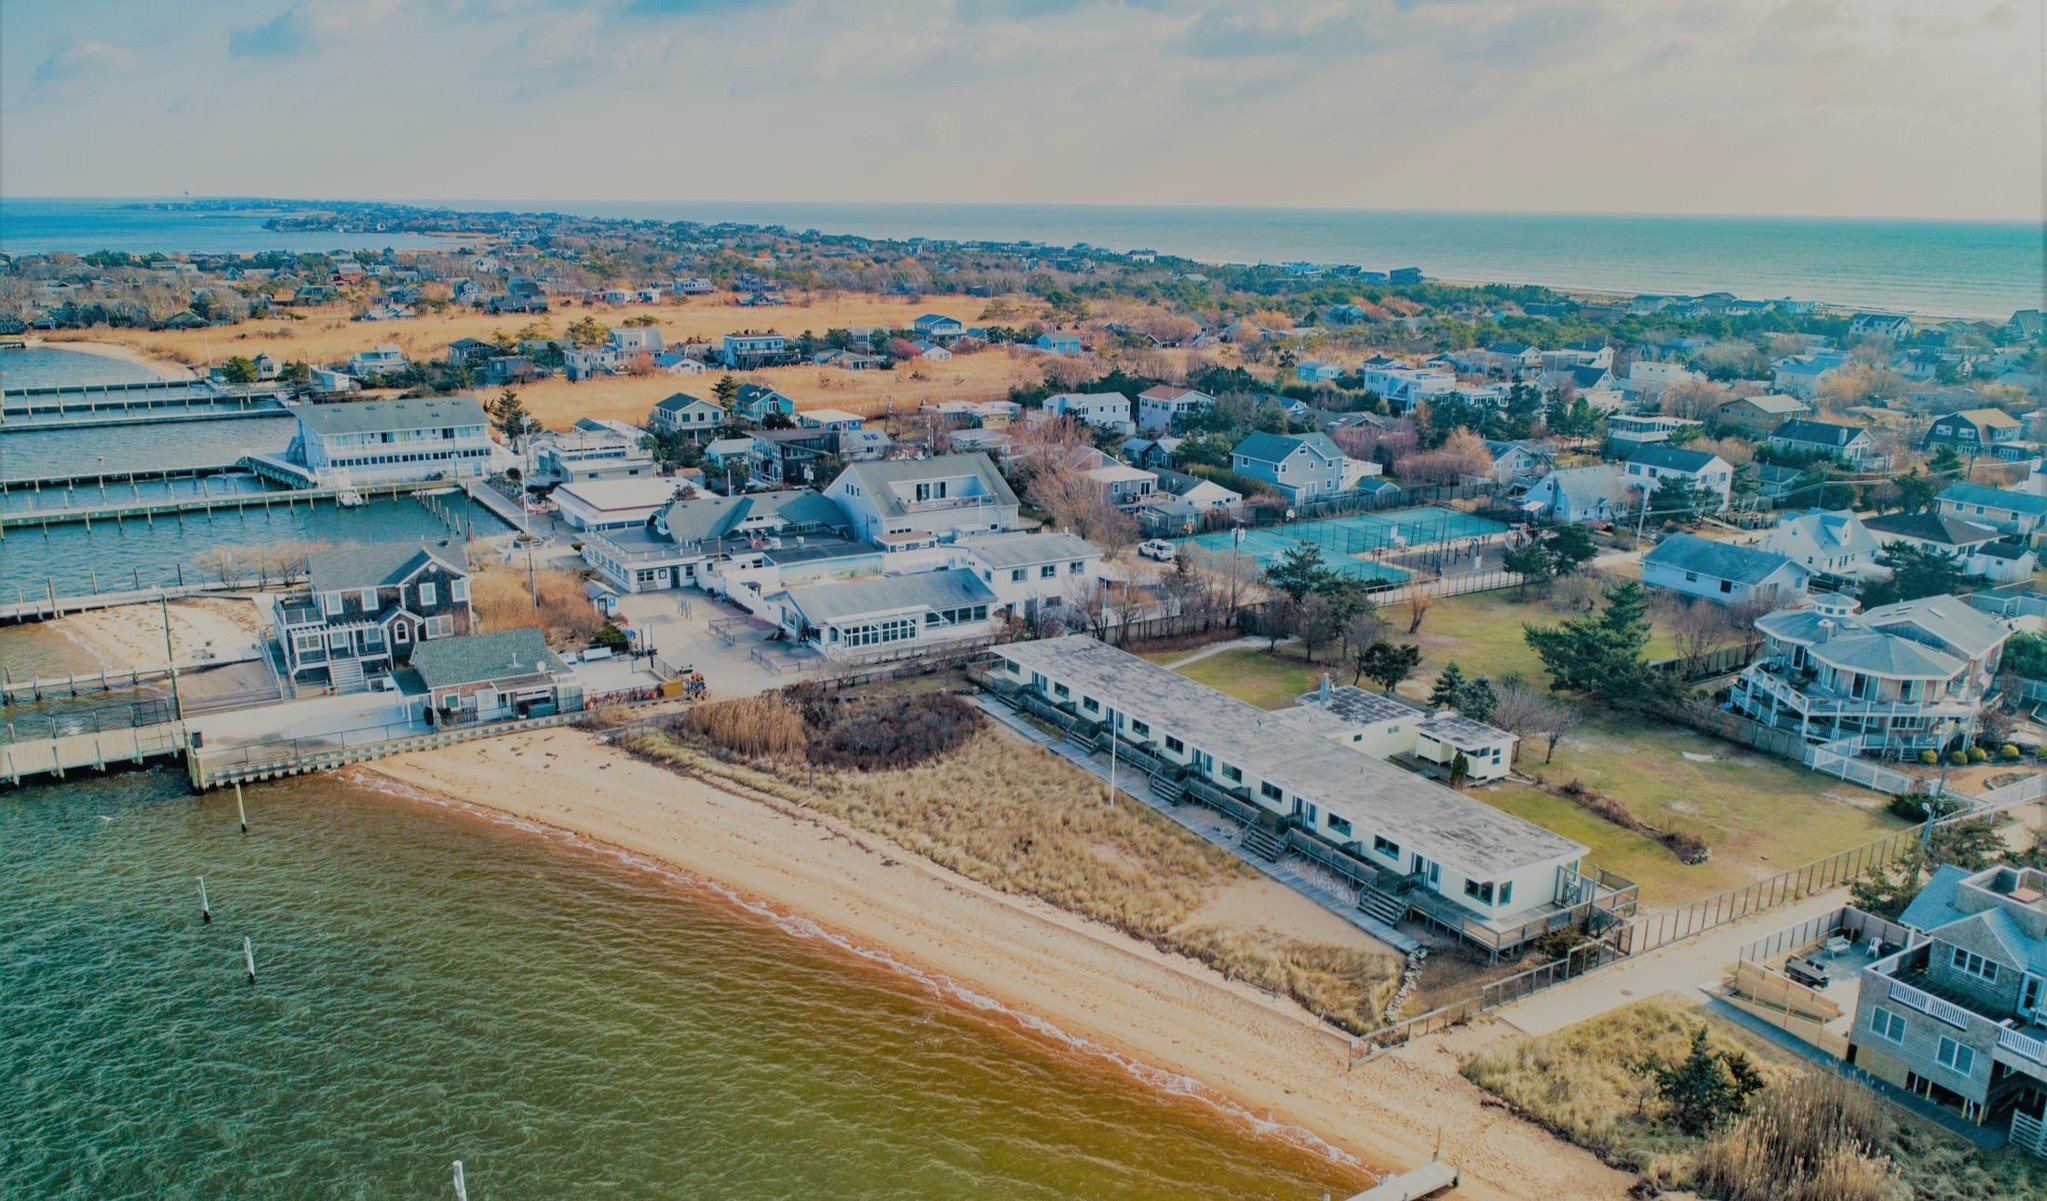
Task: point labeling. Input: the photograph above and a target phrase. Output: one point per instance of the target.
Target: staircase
(1383, 906)
(346, 676)
(1262, 842)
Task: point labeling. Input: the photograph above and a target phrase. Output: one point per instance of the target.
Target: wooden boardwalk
(89, 752)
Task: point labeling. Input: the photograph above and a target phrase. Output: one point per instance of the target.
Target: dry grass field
(1015, 818)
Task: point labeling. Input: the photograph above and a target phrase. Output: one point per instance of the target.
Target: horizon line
(542, 205)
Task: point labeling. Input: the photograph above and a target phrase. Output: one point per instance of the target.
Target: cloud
(308, 26)
(81, 59)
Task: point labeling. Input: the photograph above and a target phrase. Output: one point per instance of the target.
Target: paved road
(1685, 968)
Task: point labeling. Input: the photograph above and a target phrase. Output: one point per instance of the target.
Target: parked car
(1157, 548)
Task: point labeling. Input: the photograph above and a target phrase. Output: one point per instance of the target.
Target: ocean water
(434, 985)
(1976, 269)
(41, 226)
(1950, 268)
(156, 445)
(50, 366)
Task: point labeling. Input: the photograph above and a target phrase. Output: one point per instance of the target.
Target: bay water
(434, 984)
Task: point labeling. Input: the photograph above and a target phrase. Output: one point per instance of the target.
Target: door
(1430, 872)
(2029, 995)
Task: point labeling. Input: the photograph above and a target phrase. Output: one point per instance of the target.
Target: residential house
(1776, 484)
(1879, 325)
(1159, 406)
(1516, 357)
(1486, 751)
(364, 608)
(1313, 372)
(1519, 461)
(500, 369)
(386, 359)
(1105, 410)
(1826, 542)
(948, 496)
(1757, 416)
(1031, 572)
(1959, 1014)
(1851, 444)
(589, 362)
(1062, 342)
(1189, 501)
(326, 379)
(835, 420)
(748, 352)
(1411, 843)
(1896, 680)
(582, 455)
(937, 327)
(673, 548)
(930, 352)
(753, 402)
(1627, 431)
(888, 616)
(732, 458)
(1403, 386)
(630, 340)
(858, 445)
(686, 414)
(1647, 378)
(386, 441)
(1974, 432)
(1149, 453)
(612, 504)
(1722, 571)
(2021, 514)
(678, 362)
(1977, 550)
(1707, 473)
(506, 675)
(1301, 466)
(1570, 495)
(1124, 486)
(1802, 375)
(468, 352)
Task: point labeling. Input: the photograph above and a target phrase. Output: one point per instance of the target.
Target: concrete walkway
(1686, 968)
(1221, 832)
(1216, 648)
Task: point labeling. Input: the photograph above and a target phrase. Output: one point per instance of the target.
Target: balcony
(942, 504)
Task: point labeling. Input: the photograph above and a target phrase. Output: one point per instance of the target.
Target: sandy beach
(132, 636)
(127, 354)
(1162, 1017)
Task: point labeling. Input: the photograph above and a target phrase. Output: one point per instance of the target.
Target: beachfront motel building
(1456, 859)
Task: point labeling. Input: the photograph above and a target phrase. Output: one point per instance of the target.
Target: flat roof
(1279, 746)
(1362, 707)
(620, 494)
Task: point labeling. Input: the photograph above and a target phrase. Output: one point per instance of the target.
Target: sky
(1891, 108)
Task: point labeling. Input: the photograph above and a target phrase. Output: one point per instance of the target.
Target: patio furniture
(1807, 971)
(1839, 944)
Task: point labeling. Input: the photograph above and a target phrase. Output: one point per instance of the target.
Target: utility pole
(170, 658)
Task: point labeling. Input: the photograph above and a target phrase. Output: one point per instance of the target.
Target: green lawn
(1265, 680)
(1482, 633)
(1640, 858)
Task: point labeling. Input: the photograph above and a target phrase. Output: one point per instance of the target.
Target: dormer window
(332, 602)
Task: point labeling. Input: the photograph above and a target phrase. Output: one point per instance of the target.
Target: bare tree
(1418, 602)
(1362, 630)
(1522, 710)
(1698, 627)
(1563, 720)
(1320, 624)
(223, 563)
(1694, 398)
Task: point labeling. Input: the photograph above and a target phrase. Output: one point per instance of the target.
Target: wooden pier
(82, 402)
(150, 509)
(89, 751)
(218, 767)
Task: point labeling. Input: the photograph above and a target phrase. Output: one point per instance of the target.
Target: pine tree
(1701, 1090)
(1450, 686)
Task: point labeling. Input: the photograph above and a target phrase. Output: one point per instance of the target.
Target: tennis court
(1343, 538)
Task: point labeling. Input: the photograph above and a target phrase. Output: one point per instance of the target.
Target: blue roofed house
(1059, 342)
(1959, 1014)
(1852, 444)
(1302, 466)
(1705, 472)
(755, 401)
(1571, 495)
(1312, 372)
(1826, 542)
(2021, 514)
(1722, 571)
(1802, 375)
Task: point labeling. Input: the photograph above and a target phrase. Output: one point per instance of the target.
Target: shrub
(1978, 755)
(613, 637)
(897, 733)
(1958, 759)
(2009, 752)
(1929, 758)
(1915, 806)
(756, 725)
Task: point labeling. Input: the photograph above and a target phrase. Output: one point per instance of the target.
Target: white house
(1801, 375)
(1571, 495)
(630, 340)
(587, 454)
(1722, 571)
(1646, 378)
(1977, 550)
(613, 504)
(389, 441)
(1031, 572)
(1488, 751)
(888, 616)
(1403, 386)
(1879, 325)
(1852, 444)
(1158, 406)
(672, 548)
(1107, 410)
(948, 496)
(380, 360)
(2017, 513)
(1826, 542)
(1706, 473)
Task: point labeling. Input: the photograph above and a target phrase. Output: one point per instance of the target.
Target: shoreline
(1164, 1019)
(165, 368)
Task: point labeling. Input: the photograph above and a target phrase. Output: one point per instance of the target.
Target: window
(1506, 892)
(1018, 576)
(889, 629)
(1090, 704)
(401, 633)
(1386, 847)
(368, 600)
(1076, 567)
(1267, 790)
(1048, 571)
(1139, 728)
(458, 590)
(306, 643)
(1338, 825)
(338, 640)
(1232, 774)
(428, 594)
(333, 603)
(440, 627)
(1175, 745)
(1955, 1057)
(1975, 965)
(1482, 890)
(1887, 1025)
(1063, 692)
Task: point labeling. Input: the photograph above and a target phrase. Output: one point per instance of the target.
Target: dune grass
(502, 599)
(1016, 818)
(1807, 1134)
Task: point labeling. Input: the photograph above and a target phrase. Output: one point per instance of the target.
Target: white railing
(2029, 1132)
(1930, 1005)
(2023, 1046)
(938, 504)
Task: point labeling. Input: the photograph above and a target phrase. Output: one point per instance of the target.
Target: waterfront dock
(76, 405)
(150, 508)
(92, 751)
